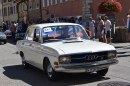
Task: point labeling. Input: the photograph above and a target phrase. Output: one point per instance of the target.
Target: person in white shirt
(92, 27)
(100, 25)
(108, 29)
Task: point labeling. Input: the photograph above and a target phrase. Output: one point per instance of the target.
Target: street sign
(52, 17)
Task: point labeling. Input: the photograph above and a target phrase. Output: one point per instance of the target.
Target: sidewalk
(118, 44)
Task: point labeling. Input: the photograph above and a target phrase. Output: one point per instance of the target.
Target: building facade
(6, 11)
(1, 14)
(34, 10)
(84, 8)
(13, 11)
(9, 11)
(22, 9)
(61, 8)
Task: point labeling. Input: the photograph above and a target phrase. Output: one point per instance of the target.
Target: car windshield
(65, 33)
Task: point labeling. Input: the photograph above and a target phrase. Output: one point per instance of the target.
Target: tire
(5, 42)
(51, 73)
(102, 72)
(24, 63)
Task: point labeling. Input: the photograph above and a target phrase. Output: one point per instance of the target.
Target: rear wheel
(24, 63)
(102, 72)
(51, 73)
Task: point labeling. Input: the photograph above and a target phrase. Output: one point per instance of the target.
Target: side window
(37, 37)
(30, 33)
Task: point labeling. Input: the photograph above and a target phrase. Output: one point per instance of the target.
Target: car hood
(2, 34)
(80, 47)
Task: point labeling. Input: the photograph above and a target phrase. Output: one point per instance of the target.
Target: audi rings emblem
(91, 57)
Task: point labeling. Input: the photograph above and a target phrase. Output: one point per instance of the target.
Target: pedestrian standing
(104, 31)
(92, 27)
(100, 25)
(108, 29)
(29, 23)
(13, 30)
(128, 25)
(24, 27)
(4, 26)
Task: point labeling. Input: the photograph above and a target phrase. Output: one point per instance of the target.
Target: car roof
(51, 24)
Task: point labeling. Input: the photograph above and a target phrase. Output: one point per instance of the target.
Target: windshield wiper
(73, 39)
(52, 40)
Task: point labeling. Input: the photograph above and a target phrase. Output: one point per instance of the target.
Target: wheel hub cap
(49, 70)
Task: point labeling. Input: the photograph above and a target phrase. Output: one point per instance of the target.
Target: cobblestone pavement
(12, 73)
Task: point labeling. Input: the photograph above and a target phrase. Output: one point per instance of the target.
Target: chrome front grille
(88, 57)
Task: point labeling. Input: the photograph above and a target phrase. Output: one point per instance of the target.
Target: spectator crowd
(100, 28)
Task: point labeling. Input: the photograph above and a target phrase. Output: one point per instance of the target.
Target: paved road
(12, 73)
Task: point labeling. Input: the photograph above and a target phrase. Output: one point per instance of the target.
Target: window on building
(5, 11)
(4, 1)
(45, 3)
(37, 4)
(14, 9)
(30, 5)
(11, 10)
(8, 10)
(63, 1)
(33, 5)
(20, 8)
(53, 2)
(0, 13)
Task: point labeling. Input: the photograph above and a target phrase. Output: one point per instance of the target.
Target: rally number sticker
(47, 29)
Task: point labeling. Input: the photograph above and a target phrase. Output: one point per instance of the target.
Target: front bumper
(80, 68)
(18, 37)
(2, 40)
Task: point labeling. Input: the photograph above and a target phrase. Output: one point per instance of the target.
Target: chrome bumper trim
(82, 67)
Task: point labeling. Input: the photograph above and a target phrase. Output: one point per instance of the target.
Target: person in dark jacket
(4, 27)
(24, 27)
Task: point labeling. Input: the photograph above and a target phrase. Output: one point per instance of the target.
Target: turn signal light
(55, 63)
(116, 56)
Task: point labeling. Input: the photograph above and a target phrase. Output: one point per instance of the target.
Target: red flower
(109, 6)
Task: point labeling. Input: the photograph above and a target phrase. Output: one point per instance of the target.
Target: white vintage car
(64, 47)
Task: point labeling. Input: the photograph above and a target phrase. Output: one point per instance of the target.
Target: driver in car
(64, 34)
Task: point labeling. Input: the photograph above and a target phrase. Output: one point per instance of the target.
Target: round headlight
(111, 54)
(65, 59)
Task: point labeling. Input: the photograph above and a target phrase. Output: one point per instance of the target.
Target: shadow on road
(1, 43)
(121, 52)
(36, 77)
(9, 40)
(123, 56)
(119, 47)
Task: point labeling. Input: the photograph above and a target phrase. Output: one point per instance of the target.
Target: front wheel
(51, 73)
(102, 72)
(24, 63)
(5, 42)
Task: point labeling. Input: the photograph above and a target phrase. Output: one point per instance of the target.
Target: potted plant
(107, 6)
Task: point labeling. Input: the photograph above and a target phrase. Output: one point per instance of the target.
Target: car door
(36, 52)
(27, 44)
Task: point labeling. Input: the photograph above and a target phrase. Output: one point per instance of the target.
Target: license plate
(91, 69)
